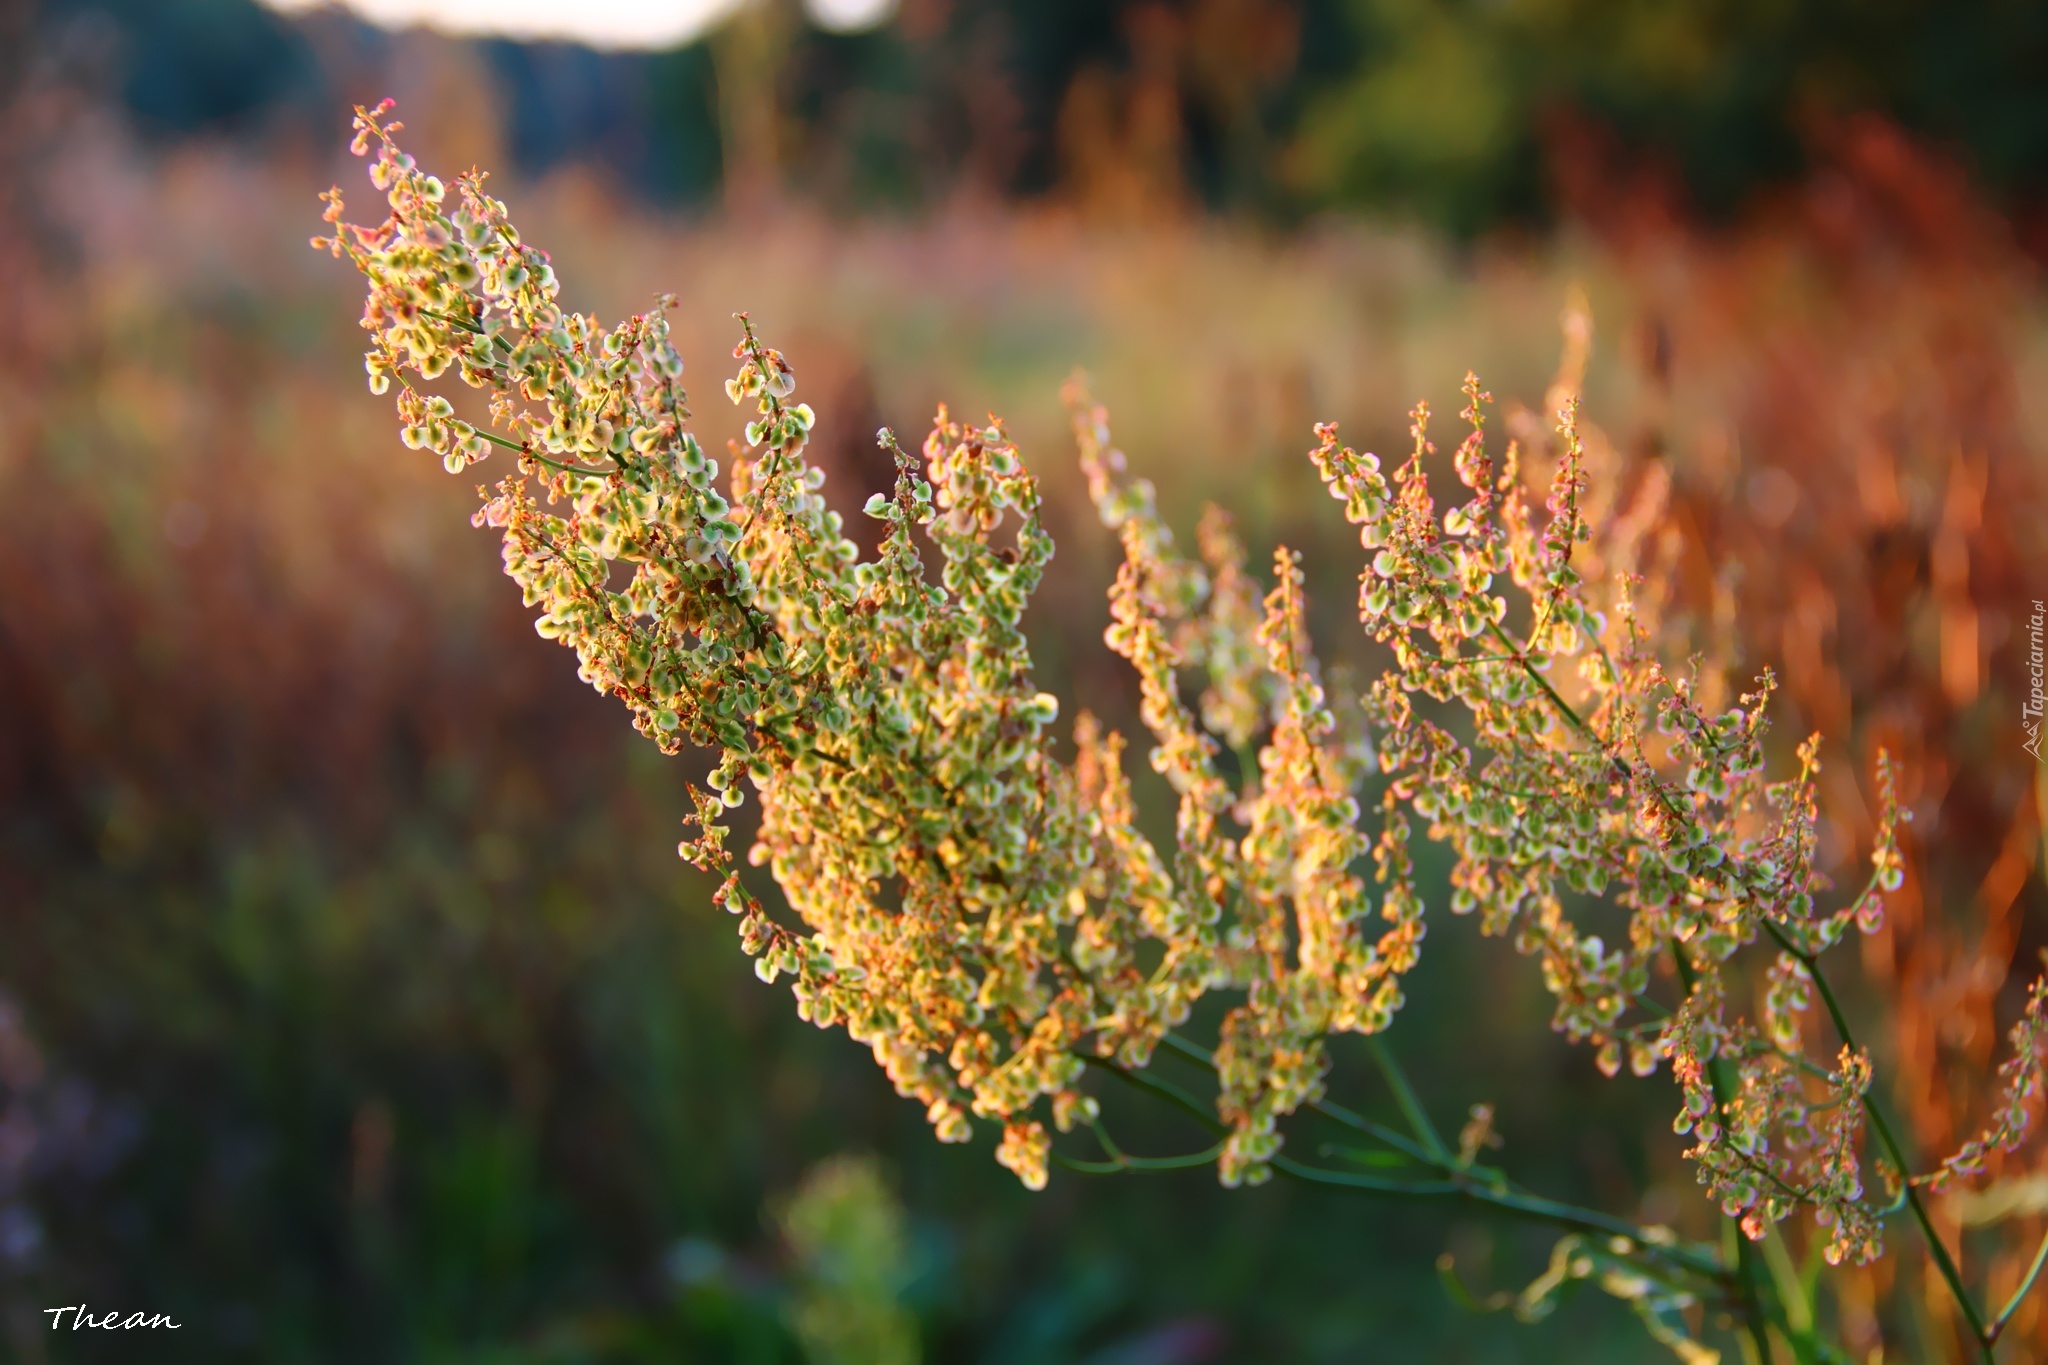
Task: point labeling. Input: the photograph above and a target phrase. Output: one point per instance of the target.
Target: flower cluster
(1275, 912)
(982, 915)
(2020, 1087)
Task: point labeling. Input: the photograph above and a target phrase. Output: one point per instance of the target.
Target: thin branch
(1991, 1333)
(1532, 1207)
(1878, 1123)
(1404, 1096)
(1206, 1059)
(1145, 1080)
(498, 440)
(1461, 660)
(1459, 1179)
(1943, 1261)
(568, 468)
(1370, 1184)
(531, 454)
(1120, 1160)
(1379, 1132)
(1745, 1257)
(1520, 654)
(1137, 1164)
(466, 324)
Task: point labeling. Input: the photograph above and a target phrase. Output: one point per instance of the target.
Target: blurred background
(353, 1005)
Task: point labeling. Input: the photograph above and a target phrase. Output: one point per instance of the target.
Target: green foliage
(846, 1228)
(1447, 106)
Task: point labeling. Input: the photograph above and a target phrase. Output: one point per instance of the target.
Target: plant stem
(1521, 656)
(1145, 1080)
(1997, 1326)
(1459, 1182)
(1744, 1256)
(466, 324)
(497, 440)
(1404, 1096)
(1942, 1260)
(1534, 1207)
(1201, 1056)
(1120, 1160)
(1519, 653)
(501, 442)
(1379, 1132)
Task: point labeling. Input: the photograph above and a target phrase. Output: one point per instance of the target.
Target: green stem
(1516, 1204)
(1120, 1160)
(1791, 1293)
(1462, 659)
(1997, 1326)
(1942, 1260)
(1459, 1181)
(466, 324)
(1173, 1094)
(1519, 653)
(1370, 1184)
(497, 440)
(1744, 1257)
(1404, 1096)
(1201, 1056)
(501, 442)
(1377, 1131)
(1137, 1164)
(557, 464)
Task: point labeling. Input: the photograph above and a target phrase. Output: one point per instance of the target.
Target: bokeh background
(353, 1005)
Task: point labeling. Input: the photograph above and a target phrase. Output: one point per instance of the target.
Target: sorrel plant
(990, 921)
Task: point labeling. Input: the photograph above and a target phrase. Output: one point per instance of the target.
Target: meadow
(358, 1007)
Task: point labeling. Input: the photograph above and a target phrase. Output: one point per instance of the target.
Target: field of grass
(358, 1008)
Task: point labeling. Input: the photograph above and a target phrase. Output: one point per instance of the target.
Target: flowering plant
(989, 920)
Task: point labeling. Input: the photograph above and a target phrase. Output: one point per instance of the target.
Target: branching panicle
(976, 911)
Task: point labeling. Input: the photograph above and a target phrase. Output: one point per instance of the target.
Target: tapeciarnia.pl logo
(2030, 714)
